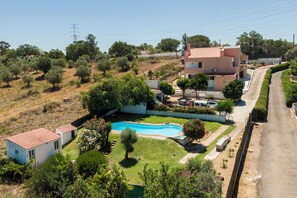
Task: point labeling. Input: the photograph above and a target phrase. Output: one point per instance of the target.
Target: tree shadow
(5, 86)
(26, 87)
(51, 89)
(40, 78)
(127, 163)
(240, 103)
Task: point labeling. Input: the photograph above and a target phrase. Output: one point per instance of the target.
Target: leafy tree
(105, 95)
(6, 75)
(26, 50)
(225, 106)
(52, 178)
(119, 49)
(180, 183)
(291, 54)
(24, 65)
(128, 138)
(199, 82)
(60, 62)
(117, 92)
(54, 76)
(251, 44)
(184, 41)
(56, 54)
(194, 129)
(44, 64)
(150, 74)
(92, 46)
(84, 72)
(198, 41)
(122, 62)
(102, 127)
(233, 90)
(109, 183)
(168, 45)
(275, 48)
(166, 88)
(89, 162)
(4, 47)
(183, 84)
(79, 189)
(76, 49)
(135, 90)
(103, 65)
(27, 78)
(15, 70)
(12, 172)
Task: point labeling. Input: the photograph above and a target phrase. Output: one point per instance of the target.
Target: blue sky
(46, 24)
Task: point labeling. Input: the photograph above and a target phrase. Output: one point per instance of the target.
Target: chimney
(222, 51)
(188, 46)
(188, 51)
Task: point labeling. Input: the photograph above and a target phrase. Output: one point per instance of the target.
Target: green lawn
(147, 150)
(213, 144)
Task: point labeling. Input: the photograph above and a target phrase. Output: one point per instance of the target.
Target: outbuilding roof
(33, 138)
(66, 128)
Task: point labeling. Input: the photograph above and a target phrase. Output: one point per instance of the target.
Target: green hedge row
(290, 89)
(186, 109)
(260, 110)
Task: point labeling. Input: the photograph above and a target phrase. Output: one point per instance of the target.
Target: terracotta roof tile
(66, 128)
(33, 138)
(209, 52)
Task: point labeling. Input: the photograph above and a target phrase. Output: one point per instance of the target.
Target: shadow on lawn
(127, 163)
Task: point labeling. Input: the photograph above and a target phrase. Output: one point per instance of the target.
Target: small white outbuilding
(67, 133)
(37, 145)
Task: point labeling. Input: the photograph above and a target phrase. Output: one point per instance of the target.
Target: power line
(74, 32)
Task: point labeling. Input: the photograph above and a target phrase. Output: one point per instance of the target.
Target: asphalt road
(278, 158)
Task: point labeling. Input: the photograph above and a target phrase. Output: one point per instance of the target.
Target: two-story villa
(221, 64)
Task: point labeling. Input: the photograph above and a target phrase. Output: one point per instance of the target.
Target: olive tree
(54, 76)
(84, 72)
(183, 84)
(27, 78)
(128, 138)
(103, 65)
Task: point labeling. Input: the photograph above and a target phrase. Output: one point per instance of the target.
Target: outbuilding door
(72, 134)
(211, 81)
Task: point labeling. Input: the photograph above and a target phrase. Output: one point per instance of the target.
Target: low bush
(280, 67)
(88, 163)
(194, 110)
(12, 172)
(161, 107)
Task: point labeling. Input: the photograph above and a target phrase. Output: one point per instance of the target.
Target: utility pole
(293, 40)
(74, 32)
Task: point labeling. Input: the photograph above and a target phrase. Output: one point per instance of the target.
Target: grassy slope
(148, 151)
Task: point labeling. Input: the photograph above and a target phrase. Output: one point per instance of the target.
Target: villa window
(200, 65)
(233, 63)
(56, 144)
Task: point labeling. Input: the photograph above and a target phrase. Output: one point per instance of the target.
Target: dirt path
(278, 161)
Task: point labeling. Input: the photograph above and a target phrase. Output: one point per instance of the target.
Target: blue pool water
(165, 129)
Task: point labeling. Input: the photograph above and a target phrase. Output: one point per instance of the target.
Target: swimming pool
(147, 129)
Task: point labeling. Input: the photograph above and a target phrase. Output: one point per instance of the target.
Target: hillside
(23, 108)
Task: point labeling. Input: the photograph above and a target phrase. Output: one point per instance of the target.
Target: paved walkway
(204, 144)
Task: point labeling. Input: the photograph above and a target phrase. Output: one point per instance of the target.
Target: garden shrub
(12, 172)
(161, 107)
(290, 94)
(195, 110)
(89, 162)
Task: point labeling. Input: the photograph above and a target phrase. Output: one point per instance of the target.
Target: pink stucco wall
(222, 81)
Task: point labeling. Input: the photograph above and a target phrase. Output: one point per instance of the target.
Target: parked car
(222, 143)
(201, 103)
(212, 103)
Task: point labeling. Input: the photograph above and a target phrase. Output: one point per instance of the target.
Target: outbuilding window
(16, 151)
(56, 144)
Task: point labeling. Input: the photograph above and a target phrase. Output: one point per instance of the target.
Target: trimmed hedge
(289, 89)
(260, 110)
(194, 110)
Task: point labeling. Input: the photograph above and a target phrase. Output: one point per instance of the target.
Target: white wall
(154, 84)
(10, 149)
(45, 151)
(138, 109)
(65, 137)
